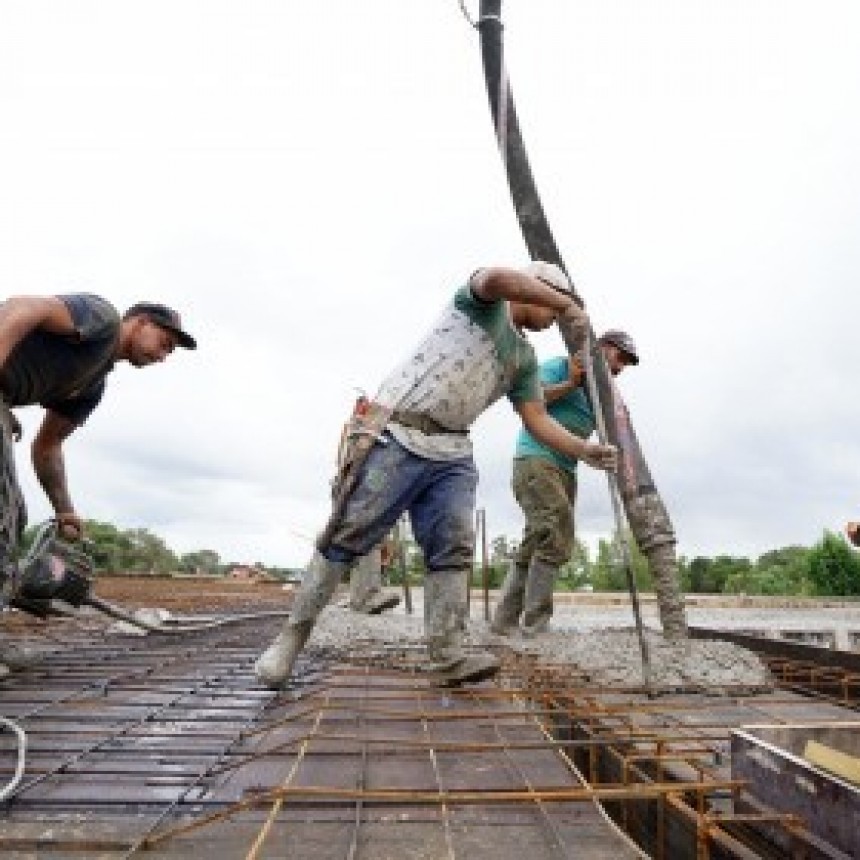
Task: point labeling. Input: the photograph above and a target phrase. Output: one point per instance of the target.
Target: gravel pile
(610, 657)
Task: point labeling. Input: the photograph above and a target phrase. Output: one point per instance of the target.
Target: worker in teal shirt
(544, 484)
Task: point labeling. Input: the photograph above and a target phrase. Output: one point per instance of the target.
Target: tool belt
(363, 430)
(424, 423)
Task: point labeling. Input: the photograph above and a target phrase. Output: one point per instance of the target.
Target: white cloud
(307, 186)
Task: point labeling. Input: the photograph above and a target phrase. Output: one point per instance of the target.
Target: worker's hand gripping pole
(364, 429)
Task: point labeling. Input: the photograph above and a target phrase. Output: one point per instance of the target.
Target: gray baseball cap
(623, 341)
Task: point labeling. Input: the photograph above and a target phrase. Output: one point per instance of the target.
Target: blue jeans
(438, 494)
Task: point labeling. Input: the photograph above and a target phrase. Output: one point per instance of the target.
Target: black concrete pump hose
(541, 245)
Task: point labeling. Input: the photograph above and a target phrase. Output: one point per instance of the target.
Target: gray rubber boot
(510, 605)
(663, 564)
(444, 615)
(538, 600)
(275, 664)
(366, 594)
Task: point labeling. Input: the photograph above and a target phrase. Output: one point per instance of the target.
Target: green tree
(604, 567)
(150, 553)
(577, 570)
(710, 575)
(609, 573)
(112, 549)
(500, 550)
(684, 573)
(201, 561)
(414, 559)
(781, 571)
(834, 568)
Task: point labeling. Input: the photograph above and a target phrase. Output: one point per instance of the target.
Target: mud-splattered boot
(444, 613)
(663, 564)
(510, 605)
(366, 594)
(538, 600)
(275, 664)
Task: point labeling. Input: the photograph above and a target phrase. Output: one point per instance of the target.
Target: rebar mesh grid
(167, 746)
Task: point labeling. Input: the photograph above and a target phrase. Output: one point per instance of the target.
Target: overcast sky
(307, 183)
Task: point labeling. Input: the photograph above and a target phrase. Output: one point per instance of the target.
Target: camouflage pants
(546, 493)
(649, 521)
(13, 512)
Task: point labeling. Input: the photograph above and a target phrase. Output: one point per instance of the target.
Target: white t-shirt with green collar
(471, 357)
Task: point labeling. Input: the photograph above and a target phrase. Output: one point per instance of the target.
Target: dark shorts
(438, 494)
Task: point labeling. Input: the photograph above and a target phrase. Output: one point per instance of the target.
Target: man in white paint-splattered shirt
(422, 463)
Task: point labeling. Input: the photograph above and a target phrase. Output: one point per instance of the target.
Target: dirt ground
(204, 594)
(191, 594)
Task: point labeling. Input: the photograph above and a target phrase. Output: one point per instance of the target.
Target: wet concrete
(609, 655)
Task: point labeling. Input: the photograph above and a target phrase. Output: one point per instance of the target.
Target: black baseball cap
(623, 341)
(165, 317)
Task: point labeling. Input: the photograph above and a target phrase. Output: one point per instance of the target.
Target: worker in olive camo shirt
(420, 457)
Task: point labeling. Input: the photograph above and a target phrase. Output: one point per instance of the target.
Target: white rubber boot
(275, 664)
(444, 613)
(510, 605)
(538, 599)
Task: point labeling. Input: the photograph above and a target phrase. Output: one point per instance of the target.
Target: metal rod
(622, 533)
(485, 565)
(400, 542)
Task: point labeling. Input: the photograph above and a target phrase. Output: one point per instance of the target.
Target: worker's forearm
(553, 435)
(514, 286)
(50, 469)
(553, 391)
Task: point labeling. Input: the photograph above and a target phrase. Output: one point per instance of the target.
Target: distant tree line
(141, 551)
(829, 568)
